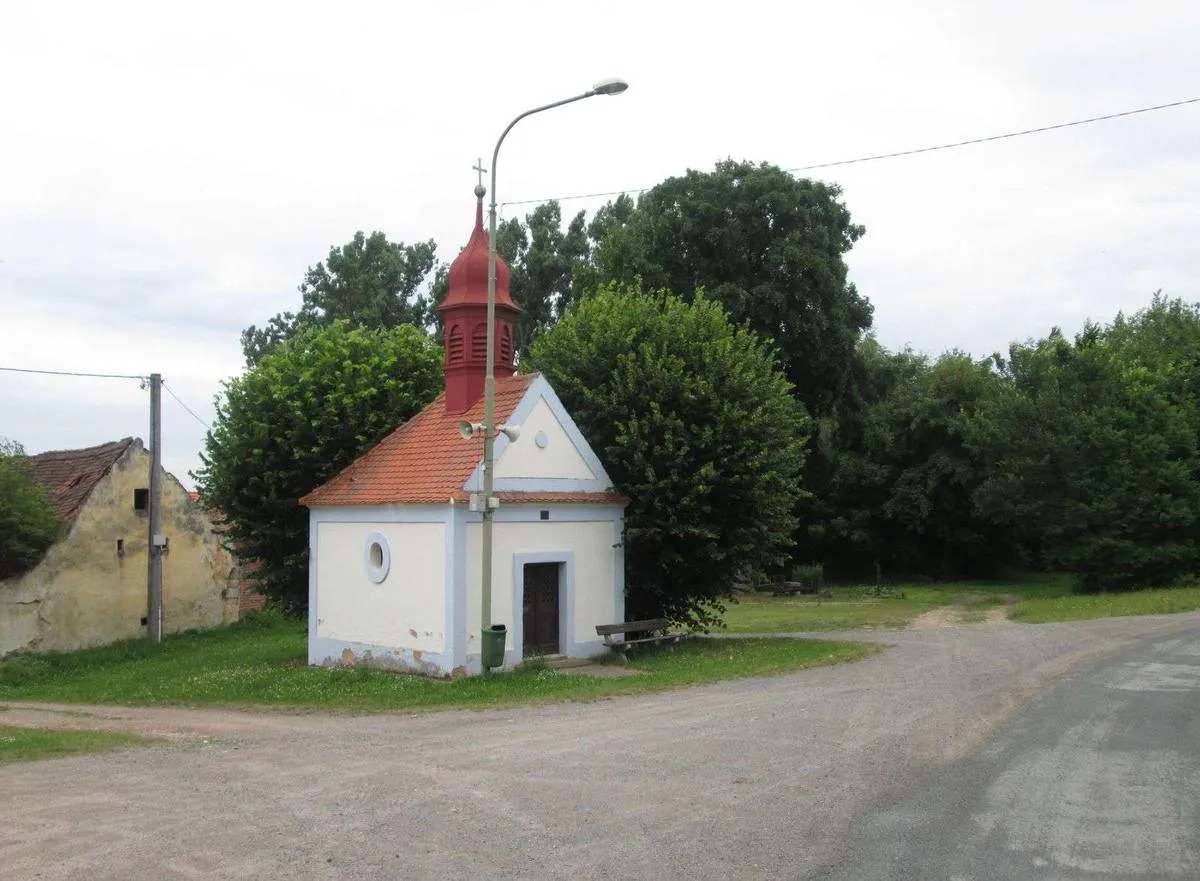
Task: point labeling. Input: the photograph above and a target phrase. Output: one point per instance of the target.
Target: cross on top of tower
(478, 166)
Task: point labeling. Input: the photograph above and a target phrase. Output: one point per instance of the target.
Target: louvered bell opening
(454, 346)
(479, 343)
(506, 344)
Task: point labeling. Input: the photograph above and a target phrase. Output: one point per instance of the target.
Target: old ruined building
(243, 578)
(90, 588)
(395, 543)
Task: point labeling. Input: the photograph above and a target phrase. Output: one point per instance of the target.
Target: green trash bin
(493, 646)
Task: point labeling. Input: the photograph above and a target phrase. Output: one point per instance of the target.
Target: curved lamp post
(604, 87)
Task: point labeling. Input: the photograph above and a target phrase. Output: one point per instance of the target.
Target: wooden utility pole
(157, 539)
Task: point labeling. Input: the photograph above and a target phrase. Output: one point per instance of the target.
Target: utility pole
(604, 87)
(157, 540)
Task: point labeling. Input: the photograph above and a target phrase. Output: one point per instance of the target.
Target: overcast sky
(167, 172)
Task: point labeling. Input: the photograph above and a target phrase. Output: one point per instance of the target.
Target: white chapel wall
(592, 546)
(407, 610)
(556, 458)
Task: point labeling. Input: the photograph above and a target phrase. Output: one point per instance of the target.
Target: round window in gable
(379, 558)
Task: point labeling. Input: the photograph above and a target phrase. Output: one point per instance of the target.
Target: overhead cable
(897, 153)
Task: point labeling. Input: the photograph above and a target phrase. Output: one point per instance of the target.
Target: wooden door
(541, 609)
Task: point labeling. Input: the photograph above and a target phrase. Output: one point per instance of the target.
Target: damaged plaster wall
(87, 592)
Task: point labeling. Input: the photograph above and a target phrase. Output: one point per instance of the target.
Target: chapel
(396, 539)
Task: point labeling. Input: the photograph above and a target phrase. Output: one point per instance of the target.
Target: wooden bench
(656, 630)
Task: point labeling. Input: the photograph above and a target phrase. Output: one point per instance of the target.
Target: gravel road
(763, 778)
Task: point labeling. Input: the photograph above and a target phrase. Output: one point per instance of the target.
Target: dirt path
(943, 616)
(759, 778)
(958, 615)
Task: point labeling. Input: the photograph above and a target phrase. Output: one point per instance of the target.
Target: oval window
(379, 558)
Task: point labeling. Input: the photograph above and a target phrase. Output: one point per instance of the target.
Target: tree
(696, 424)
(844, 526)
(768, 246)
(304, 412)
(897, 472)
(1097, 444)
(936, 527)
(369, 282)
(586, 275)
(28, 526)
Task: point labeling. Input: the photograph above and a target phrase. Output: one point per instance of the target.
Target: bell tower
(464, 319)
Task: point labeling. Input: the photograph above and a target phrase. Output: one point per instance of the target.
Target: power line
(984, 140)
(190, 411)
(186, 407)
(73, 373)
(898, 153)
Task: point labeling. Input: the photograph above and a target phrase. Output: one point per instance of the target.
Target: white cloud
(169, 173)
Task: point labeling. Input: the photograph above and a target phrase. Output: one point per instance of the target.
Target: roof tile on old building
(69, 476)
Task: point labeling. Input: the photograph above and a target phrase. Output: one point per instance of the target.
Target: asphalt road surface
(1100, 778)
(1010, 751)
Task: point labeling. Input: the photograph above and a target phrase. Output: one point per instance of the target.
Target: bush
(28, 525)
(1097, 450)
(694, 422)
(810, 575)
(298, 417)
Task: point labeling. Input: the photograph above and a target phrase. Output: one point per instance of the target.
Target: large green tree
(843, 525)
(28, 526)
(1097, 448)
(543, 257)
(369, 282)
(895, 476)
(768, 246)
(294, 420)
(697, 425)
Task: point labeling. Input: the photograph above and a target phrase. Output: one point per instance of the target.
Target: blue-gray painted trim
(314, 608)
(377, 574)
(456, 581)
(528, 512)
(424, 513)
(594, 648)
(449, 600)
(540, 389)
(618, 572)
(551, 484)
(329, 651)
(568, 424)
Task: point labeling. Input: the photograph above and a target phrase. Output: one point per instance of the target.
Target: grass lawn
(261, 661)
(854, 607)
(1107, 605)
(1032, 600)
(19, 744)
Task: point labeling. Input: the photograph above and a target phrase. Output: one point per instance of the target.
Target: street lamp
(604, 87)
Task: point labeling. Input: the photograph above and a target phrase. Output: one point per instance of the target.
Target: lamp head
(610, 87)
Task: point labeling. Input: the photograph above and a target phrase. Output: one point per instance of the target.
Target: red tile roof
(424, 460)
(427, 460)
(69, 476)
